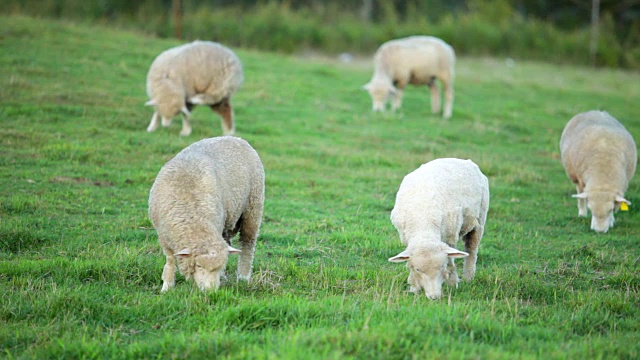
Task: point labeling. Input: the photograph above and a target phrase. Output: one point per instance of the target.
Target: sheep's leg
(153, 125)
(186, 126)
(448, 99)
(169, 273)
(450, 238)
(471, 243)
(582, 203)
(248, 235)
(452, 277)
(435, 97)
(224, 109)
(396, 99)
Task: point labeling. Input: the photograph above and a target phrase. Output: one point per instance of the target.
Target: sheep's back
(425, 53)
(210, 182)
(210, 67)
(596, 135)
(440, 187)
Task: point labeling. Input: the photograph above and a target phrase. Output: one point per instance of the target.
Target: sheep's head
(428, 267)
(204, 267)
(379, 92)
(168, 99)
(602, 205)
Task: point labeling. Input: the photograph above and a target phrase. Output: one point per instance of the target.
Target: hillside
(80, 265)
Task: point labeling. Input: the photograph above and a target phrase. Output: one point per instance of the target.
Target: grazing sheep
(198, 73)
(441, 201)
(200, 199)
(600, 157)
(416, 60)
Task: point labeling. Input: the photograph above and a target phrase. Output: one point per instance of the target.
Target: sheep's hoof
(453, 282)
(185, 132)
(468, 276)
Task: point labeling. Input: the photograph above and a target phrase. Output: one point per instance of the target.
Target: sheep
(199, 201)
(416, 60)
(599, 157)
(443, 200)
(197, 73)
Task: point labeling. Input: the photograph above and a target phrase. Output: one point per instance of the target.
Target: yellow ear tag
(624, 206)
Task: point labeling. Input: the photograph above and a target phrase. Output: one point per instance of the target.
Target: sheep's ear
(455, 253)
(233, 250)
(582, 195)
(184, 253)
(366, 86)
(620, 199)
(150, 103)
(402, 257)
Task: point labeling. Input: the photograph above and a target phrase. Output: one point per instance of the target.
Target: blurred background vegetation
(559, 31)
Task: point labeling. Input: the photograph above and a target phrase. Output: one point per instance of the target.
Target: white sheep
(440, 202)
(599, 157)
(198, 73)
(416, 60)
(200, 200)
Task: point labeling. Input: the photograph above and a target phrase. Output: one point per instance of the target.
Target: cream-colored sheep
(200, 199)
(198, 73)
(440, 202)
(600, 157)
(417, 60)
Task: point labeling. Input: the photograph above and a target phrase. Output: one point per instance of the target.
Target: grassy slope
(80, 267)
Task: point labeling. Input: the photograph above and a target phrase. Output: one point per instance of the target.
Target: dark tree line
(566, 14)
(545, 29)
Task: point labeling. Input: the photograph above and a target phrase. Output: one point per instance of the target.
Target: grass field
(80, 265)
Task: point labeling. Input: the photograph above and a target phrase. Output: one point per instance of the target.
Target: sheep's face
(168, 107)
(379, 93)
(428, 267)
(168, 100)
(601, 205)
(427, 272)
(205, 269)
(208, 269)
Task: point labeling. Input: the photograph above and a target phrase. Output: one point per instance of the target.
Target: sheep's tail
(198, 100)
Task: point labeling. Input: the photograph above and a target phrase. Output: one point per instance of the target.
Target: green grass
(80, 265)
